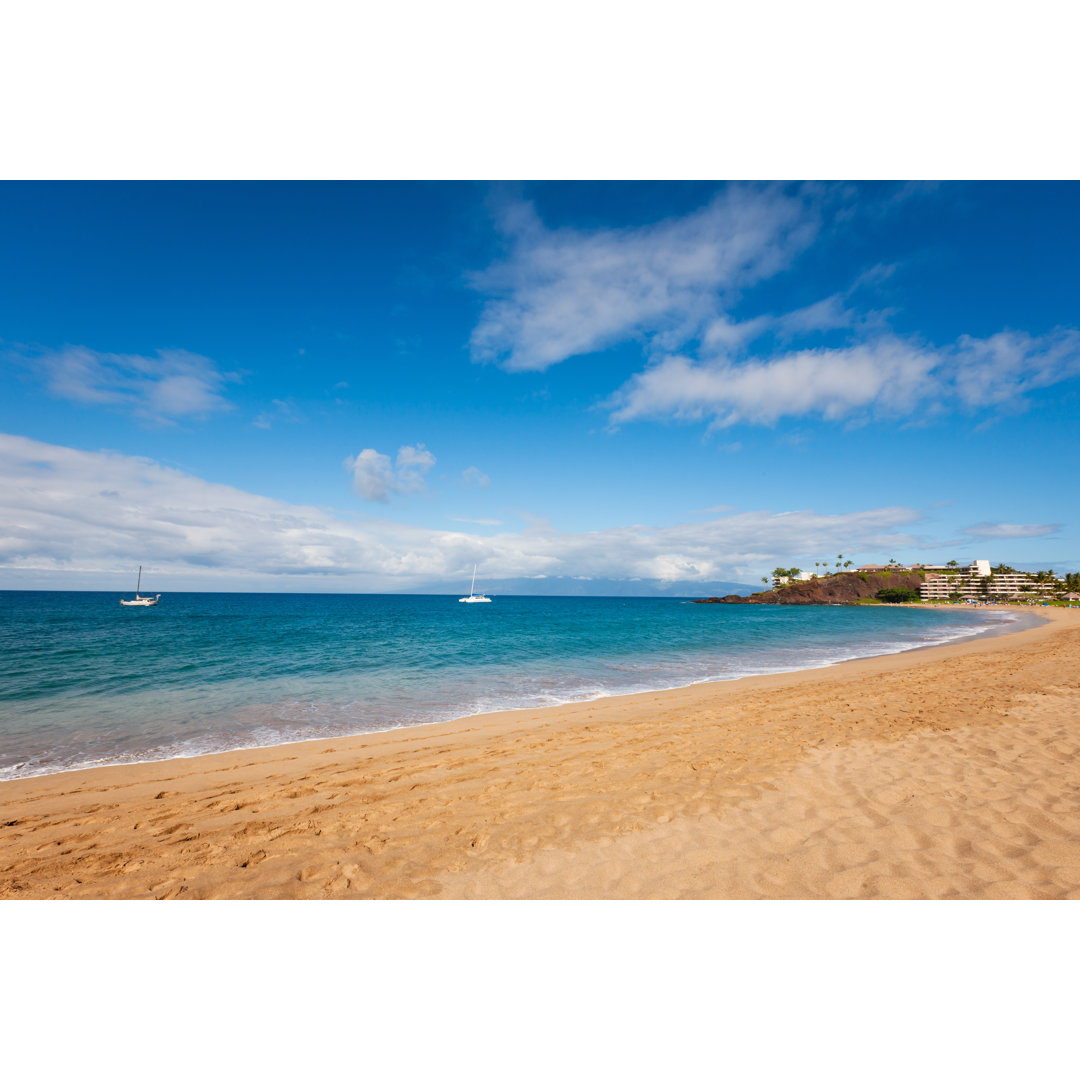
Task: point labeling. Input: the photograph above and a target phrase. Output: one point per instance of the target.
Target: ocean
(86, 682)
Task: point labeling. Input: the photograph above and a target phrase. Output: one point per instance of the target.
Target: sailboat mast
(472, 587)
(139, 586)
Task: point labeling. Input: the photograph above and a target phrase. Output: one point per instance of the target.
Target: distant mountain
(568, 586)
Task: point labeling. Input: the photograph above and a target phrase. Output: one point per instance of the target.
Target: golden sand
(946, 772)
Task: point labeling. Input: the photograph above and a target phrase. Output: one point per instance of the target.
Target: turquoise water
(84, 681)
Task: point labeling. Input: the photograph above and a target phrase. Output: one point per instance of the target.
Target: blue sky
(371, 386)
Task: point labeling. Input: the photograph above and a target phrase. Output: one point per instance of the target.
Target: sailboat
(141, 601)
(474, 597)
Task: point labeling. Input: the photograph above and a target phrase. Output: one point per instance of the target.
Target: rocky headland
(835, 589)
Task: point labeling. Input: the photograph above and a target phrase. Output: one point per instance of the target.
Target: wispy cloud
(888, 376)
(727, 337)
(1000, 370)
(375, 478)
(411, 462)
(280, 411)
(473, 477)
(565, 292)
(72, 509)
(173, 384)
(675, 286)
(828, 314)
(996, 531)
(832, 382)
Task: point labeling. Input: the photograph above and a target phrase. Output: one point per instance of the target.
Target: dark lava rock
(835, 589)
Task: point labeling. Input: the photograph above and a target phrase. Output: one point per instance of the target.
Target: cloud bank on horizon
(80, 510)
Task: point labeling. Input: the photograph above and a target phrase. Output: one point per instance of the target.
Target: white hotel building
(977, 582)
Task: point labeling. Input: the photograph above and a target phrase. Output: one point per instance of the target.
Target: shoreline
(986, 632)
(530, 802)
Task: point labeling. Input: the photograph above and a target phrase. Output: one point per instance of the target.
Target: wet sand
(939, 773)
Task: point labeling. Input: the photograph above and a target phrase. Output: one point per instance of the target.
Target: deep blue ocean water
(84, 681)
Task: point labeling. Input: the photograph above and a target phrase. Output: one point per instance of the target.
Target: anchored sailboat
(474, 597)
(141, 601)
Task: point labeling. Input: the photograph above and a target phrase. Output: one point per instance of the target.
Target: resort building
(951, 581)
(979, 582)
(785, 579)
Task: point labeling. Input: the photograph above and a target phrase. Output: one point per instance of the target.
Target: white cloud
(726, 337)
(885, 377)
(412, 463)
(565, 292)
(162, 388)
(889, 375)
(415, 457)
(1000, 369)
(373, 475)
(673, 287)
(876, 276)
(1010, 532)
(473, 477)
(75, 510)
(828, 314)
(376, 479)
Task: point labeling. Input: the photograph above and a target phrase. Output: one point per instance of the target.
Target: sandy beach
(938, 773)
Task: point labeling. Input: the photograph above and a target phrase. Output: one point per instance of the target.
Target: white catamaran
(474, 597)
(141, 601)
